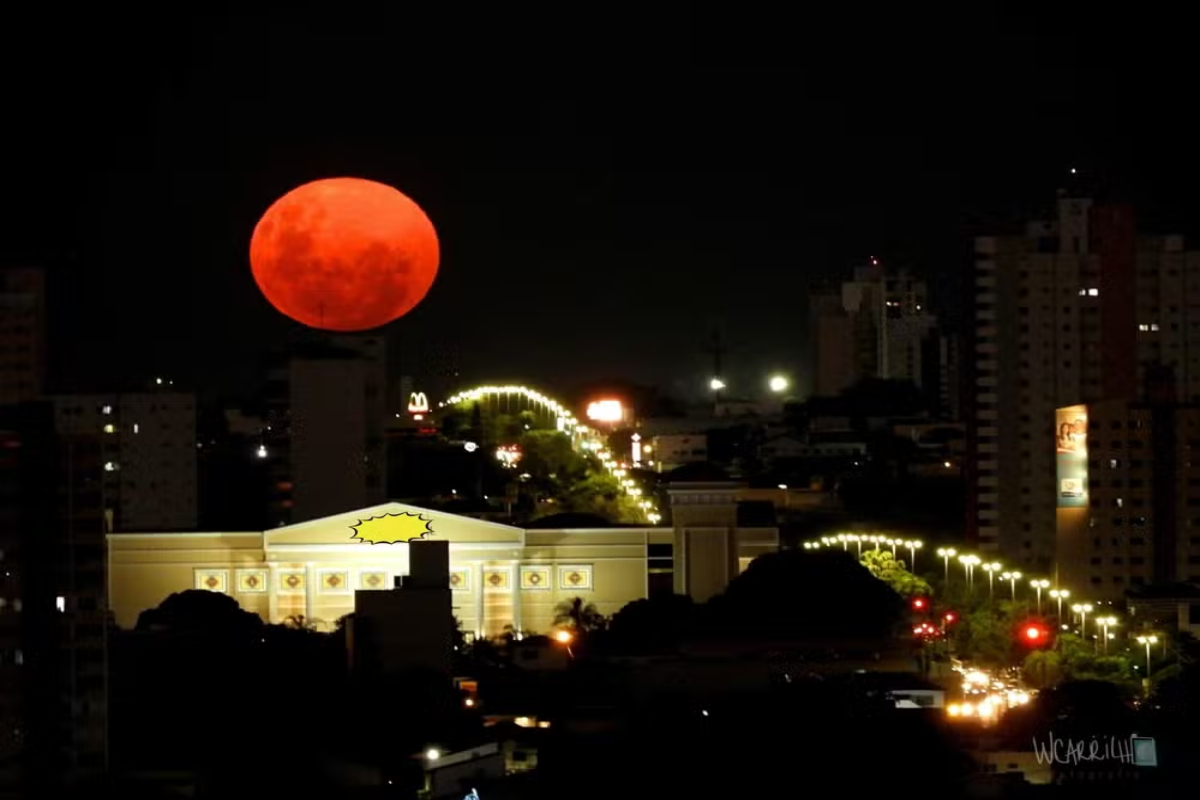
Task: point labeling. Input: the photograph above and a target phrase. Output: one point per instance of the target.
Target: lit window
(106, 410)
(1083, 292)
(135, 427)
(110, 429)
(1153, 326)
(60, 603)
(1093, 292)
(110, 466)
(1143, 327)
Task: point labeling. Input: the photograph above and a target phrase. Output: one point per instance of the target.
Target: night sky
(607, 189)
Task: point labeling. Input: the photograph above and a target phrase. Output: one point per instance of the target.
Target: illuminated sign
(606, 411)
(1070, 434)
(418, 403)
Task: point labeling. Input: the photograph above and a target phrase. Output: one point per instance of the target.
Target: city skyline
(633, 201)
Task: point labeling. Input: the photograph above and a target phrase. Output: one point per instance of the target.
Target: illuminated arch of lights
(567, 423)
(582, 436)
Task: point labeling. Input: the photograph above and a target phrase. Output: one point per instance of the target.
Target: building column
(310, 582)
(516, 596)
(478, 580)
(272, 596)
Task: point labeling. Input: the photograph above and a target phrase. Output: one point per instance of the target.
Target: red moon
(344, 254)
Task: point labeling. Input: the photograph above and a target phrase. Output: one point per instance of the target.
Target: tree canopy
(809, 594)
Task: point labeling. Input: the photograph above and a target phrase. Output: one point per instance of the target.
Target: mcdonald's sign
(418, 403)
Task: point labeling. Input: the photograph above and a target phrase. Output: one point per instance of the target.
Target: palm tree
(582, 618)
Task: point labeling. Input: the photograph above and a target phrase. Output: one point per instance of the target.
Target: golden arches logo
(418, 403)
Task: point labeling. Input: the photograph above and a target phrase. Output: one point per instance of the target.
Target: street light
(778, 384)
(1082, 609)
(991, 570)
(1105, 623)
(716, 384)
(1060, 595)
(969, 563)
(1012, 578)
(913, 546)
(1148, 641)
(1039, 585)
(945, 554)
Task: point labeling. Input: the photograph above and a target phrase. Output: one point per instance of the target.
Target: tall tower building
(875, 326)
(22, 334)
(1068, 312)
(53, 631)
(328, 406)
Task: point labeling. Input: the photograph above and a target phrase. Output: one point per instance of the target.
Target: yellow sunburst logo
(392, 529)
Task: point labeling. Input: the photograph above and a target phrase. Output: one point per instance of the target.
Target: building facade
(1128, 512)
(1071, 311)
(325, 435)
(22, 334)
(147, 476)
(53, 654)
(875, 326)
(499, 575)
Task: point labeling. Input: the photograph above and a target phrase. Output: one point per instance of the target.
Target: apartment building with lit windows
(147, 476)
(1079, 309)
(1137, 521)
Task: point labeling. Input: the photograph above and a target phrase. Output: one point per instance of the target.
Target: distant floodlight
(778, 383)
(470, 447)
(262, 451)
(716, 384)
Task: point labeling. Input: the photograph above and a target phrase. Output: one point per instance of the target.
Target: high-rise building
(875, 326)
(1072, 311)
(148, 473)
(22, 334)
(325, 437)
(1128, 499)
(53, 607)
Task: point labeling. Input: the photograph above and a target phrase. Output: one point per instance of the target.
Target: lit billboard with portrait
(1070, 433)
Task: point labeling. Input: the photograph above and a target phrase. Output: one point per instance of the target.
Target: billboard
(1070, 434)
(606, 411)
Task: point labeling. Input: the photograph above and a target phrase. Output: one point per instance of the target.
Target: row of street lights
(969, 563)
(879, 541)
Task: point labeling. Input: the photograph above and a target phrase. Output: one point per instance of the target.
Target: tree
(580, 616)
(549, 455)
(887, 568)
(653, 624)
(986, 635)
(1074, 660)
(802, 593)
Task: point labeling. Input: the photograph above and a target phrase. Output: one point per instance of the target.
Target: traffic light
(920, 604)
(950, 618)
(1034, 634)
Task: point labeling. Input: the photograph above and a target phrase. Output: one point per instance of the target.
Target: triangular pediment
(338, 529)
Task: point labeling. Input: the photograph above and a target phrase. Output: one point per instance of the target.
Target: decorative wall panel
(212, 580)
(252, 581)
(536, 578)
(575, 578)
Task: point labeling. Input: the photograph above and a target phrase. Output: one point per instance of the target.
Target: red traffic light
(1034, 634)
(950, 618)
(920, 603)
